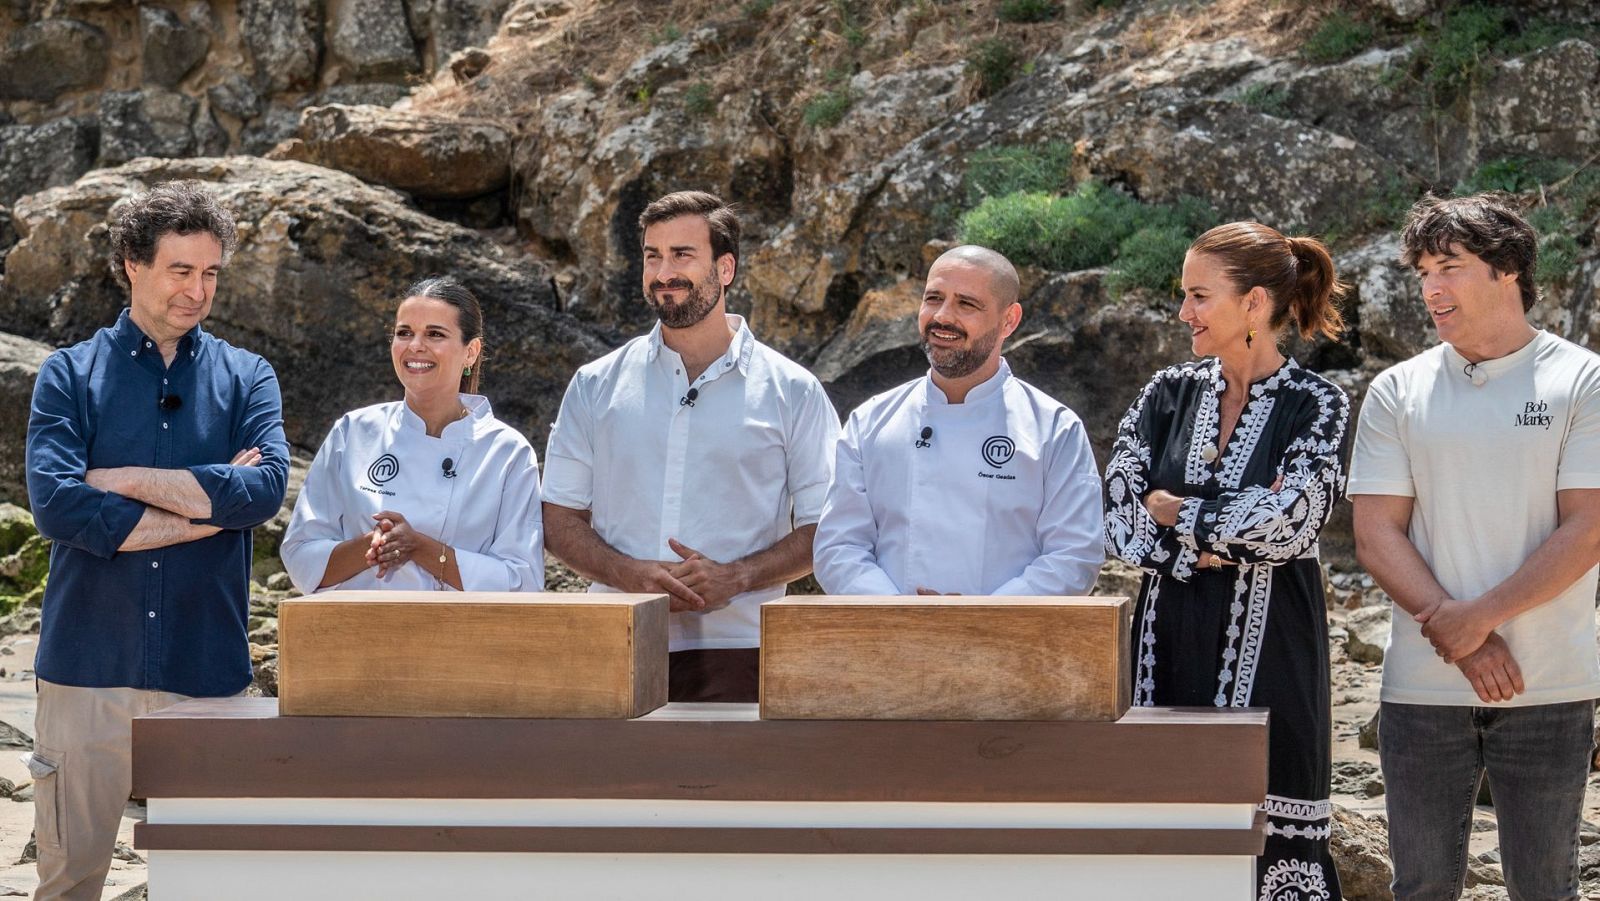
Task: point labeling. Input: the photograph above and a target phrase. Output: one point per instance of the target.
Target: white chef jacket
(382, 458)
(729, 474)
(1002, 498)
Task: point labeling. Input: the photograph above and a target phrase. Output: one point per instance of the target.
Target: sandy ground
(16, 817)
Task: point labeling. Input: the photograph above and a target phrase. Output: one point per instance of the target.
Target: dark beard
(956, 364)
(697, 303)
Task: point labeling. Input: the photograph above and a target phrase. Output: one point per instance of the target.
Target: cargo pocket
(44, 765)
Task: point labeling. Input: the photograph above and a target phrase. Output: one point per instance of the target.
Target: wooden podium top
(242, 748)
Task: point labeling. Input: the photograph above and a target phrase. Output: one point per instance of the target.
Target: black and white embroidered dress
(1254, 635)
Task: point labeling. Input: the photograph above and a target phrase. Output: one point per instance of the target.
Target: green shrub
(1558, 247)
(1077, 231)
(1513, 175)
(758, 9)
(1029, 11)
(666, 34)
(1453, 51)
(995, 63)
(1151, 259)
(1270, 99)
(999, 171)
(1339, 37)
(698, 99)
(1095, 225)
(828, 109)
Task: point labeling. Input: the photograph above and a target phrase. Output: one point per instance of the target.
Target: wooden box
(421, 653)
(945, 658)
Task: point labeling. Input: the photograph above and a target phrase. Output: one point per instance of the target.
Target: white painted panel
(614, 812)
(329, 876)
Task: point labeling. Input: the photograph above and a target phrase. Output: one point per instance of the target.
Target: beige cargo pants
(82, 766)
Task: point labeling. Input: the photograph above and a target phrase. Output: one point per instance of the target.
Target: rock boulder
(430, 156)
(371, 38)
(284, 38)
(155, 122)
(323, 260)
(35, 157)
(171, 47)
(50, 57)
(20, 360)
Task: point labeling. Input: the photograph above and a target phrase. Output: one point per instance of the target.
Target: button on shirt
(729, 472)
(1001, 498)
(173, 618)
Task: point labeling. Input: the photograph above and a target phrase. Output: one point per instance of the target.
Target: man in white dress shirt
(968, 480)
(692, 461)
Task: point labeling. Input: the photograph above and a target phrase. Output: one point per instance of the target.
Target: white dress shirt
(728, 473)
(382, 458)
(1002, 497)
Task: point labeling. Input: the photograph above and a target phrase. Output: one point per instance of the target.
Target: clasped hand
(394, 542)
(694, 583)
(1462, 635)
(1454, 628)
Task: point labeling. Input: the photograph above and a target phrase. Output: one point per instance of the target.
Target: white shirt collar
(740, 350)
(478, 410)
(980, 392)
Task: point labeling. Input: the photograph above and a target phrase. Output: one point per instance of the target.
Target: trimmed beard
(957, 363)
(697, 303)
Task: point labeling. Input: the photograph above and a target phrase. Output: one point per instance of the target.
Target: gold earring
(1250, 338)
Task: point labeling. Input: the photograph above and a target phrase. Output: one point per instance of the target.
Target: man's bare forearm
(173, 490)
(160, 528)
(569, 536)
(1385, 550)
(788, 558)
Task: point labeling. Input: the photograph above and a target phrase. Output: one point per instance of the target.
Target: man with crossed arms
(153, 449)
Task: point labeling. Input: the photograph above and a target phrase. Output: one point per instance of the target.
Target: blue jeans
(1537, 761)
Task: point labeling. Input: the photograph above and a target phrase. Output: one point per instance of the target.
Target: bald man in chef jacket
(967, 480)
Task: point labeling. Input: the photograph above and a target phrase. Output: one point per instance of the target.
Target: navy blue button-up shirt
(172, 618)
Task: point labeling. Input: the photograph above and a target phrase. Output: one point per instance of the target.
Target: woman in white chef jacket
(429, 492)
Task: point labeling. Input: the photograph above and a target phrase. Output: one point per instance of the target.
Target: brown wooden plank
(691, 840)
(238, 748)
(945, 658)
(472, 654)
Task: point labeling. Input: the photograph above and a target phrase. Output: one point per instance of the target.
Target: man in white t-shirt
(692, 461)
(1476, 484)
(967, 480)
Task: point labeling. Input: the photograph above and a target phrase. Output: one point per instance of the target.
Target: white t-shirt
(382, 458)
(728, 475)
(1002, 497)
(1484, 463)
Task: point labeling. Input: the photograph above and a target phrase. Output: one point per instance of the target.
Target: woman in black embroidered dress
(1223, 473)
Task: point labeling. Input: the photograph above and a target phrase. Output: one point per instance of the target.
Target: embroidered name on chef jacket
(997, 452)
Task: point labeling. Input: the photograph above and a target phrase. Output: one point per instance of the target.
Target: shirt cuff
(808, 505)
(222, 486)
(111, 526)
(1376, 486)
(1568, 480)
(568, 483)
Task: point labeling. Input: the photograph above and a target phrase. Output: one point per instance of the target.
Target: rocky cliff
(366, 143)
